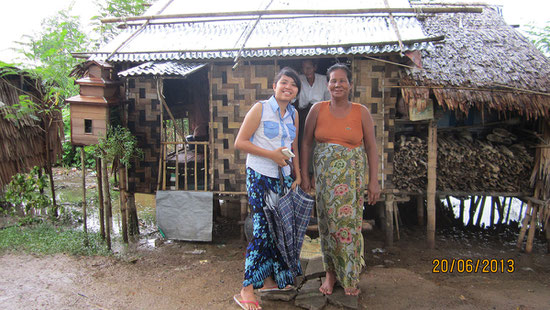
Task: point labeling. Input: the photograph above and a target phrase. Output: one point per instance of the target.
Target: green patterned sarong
(339, 184)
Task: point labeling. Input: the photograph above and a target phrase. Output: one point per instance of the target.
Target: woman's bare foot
(352, 291)
(247, 293)
(328, 284)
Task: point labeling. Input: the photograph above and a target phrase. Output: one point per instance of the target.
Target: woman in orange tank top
(344, 132)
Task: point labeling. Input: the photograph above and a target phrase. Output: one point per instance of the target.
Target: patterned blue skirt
(262, 256)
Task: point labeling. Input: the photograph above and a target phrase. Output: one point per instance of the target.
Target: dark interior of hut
(186, 123)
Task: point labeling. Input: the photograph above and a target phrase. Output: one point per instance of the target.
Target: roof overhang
(162, 68)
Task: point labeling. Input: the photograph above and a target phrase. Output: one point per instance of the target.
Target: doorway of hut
(184, 136)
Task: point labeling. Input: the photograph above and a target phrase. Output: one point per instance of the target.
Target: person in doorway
(344, 133)
(268, 127)
(314, 89)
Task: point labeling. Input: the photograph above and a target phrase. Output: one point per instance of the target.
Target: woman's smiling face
(285, 89)
(338, 84)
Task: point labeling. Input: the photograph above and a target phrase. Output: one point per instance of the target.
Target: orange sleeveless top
(346, 131)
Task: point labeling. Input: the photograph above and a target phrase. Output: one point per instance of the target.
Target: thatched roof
(480, 55)
(22, 145)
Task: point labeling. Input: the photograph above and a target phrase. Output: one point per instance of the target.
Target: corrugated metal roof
(271, 37)
(163, 68)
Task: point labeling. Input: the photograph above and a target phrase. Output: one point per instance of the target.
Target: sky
(23, 17)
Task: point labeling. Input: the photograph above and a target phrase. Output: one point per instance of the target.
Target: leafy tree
(117, 8)
(540, 37)
(50, 53)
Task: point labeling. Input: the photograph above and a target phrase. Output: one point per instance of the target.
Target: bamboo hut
(182, 64)
(489, 89)
(24, 141)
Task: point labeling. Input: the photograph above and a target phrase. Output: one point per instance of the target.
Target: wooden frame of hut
(172, 80)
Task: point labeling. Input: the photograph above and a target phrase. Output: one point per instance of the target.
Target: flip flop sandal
(242, 303)
(276, 289)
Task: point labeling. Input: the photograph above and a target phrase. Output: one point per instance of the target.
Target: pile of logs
(498, 163)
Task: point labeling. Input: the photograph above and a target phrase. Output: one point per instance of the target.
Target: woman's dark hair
(339, 66)
(290, 73)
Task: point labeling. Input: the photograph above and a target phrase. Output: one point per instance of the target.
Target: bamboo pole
(420, 209)
(164, 167)
(100, 197)
(389, 220)
(160, 174)
(462, 209)
(84, 214)
(205, 168)
(178, 168)
(122, 200)
(195, 169)
(432, 179)
(417, 10)
(474, 202)
(107, 198)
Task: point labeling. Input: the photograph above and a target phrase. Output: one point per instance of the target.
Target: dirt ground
(149, 274)
(174, 275)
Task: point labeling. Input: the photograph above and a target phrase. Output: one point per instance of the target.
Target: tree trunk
(122, 198)
(100, 197)
(107, 198)
(133, 224)
(50, 173)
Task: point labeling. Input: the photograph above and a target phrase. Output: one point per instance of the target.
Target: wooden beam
(432, 179)
(417, 10)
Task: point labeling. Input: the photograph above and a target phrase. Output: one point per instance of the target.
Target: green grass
(46, 239)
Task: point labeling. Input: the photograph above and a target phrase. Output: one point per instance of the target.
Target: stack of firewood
(497, 163)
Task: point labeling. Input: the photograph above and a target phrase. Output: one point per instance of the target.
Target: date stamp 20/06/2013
(482, 265)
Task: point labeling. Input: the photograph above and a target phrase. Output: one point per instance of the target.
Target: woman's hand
(279, 158)
(296, 182)
(308, 184)
(373, 192)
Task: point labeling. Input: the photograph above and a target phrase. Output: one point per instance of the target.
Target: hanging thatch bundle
(22, 139)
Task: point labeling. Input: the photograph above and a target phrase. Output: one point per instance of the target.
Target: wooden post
(532, 229)
(461, 211)
(481, 210)
(244, 212)
(84, 215)
(389, 220)
(509, 209)
(474, 202)
(420, 210)
(100, 197)
(122, 200)
(107, 198)
(493, 207)
(49, 171)
(396, 216)
(133, 224)
(432, 179)
(524, 224)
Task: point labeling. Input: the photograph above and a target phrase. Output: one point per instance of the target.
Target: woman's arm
(296, 159)
(250, 125)
(307, 142)
(373, 190)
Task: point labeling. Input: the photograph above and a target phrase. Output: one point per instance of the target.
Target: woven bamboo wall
(233, 94)
(371, 80)
(144, 123)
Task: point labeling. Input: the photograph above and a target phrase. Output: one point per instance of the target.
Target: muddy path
(186, 275)
(152, 274)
